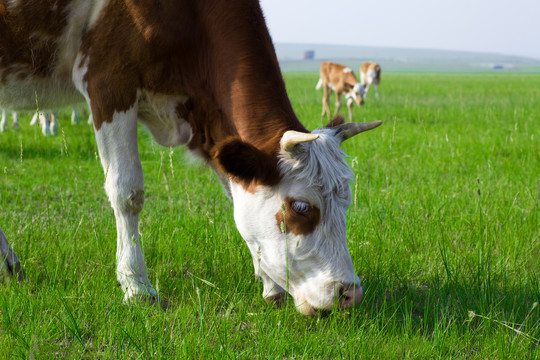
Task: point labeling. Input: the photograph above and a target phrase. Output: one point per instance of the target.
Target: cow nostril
(343, 290)
(350, 295)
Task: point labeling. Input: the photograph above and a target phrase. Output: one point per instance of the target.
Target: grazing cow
(341, 80)
(201, 73)
(370, 74)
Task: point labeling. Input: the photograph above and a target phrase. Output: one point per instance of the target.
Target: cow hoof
(10, 266)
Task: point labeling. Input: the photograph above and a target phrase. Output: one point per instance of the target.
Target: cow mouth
(348, 296)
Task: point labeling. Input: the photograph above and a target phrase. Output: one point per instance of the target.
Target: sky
(495, 26)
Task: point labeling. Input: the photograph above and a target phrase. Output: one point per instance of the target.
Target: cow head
(291, 212)
(356, 94)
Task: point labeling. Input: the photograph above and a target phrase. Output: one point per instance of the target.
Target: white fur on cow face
(359, 89)
(311, 267)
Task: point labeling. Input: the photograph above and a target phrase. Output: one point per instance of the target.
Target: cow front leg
(326, 101)
(3, 121)
(350, 105)
(124, 184)
(15, 124)
(338, 102)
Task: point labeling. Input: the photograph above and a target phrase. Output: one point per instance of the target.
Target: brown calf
(342, 80)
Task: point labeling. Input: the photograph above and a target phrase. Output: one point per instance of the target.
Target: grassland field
(443, 230)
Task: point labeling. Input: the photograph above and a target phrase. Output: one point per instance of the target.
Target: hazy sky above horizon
(496, 26)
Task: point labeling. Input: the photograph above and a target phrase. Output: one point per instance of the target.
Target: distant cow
(370, 74)
(342, 81)
(46, 119)
(204, 74)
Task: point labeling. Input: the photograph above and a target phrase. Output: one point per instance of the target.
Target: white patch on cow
(319, 262)
(362, 77)
(80, 67)
(319, 84)
(78, 71)
(347, 70)
(124, 184)
(158, 113)
(359, 89)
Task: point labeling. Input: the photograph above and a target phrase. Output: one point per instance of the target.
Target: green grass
(444, 232)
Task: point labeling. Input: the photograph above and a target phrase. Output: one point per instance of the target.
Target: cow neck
(245, 87)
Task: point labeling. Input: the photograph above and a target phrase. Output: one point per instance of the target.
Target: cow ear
(245, 163)
(336, 121)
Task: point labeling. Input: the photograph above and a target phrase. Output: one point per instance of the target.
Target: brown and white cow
(201, 73)
(370, 74)
(341, 80)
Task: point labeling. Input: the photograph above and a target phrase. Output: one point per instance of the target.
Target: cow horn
(350, 129)
(291, 138)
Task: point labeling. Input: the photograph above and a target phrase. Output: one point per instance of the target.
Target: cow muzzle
(347, 295)
(350, 295)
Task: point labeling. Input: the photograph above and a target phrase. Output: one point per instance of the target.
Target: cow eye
(300, 207)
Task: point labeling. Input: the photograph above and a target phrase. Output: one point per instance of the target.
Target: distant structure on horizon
(309, 55)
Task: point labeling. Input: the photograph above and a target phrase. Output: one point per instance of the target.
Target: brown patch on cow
(29, 31)
(296, 223)
(246, 164)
